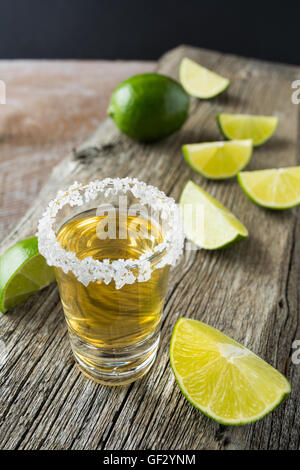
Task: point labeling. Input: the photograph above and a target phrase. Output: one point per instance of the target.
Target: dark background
(139, 29)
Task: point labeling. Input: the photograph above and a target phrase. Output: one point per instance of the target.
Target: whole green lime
(149, 107)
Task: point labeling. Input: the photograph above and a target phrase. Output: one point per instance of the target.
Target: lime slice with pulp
(199, 81)
(246, 126)
(23, 271)
(222, 378)
(218, 160)
(207, 223)
(274, 189)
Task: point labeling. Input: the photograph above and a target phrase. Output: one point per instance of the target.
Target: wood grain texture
(51, 107)
(250, 291)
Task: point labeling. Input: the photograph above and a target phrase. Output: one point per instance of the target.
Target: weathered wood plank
(249, 291)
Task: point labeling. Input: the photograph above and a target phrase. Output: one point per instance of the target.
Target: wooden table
(51, 107)
(249, 291)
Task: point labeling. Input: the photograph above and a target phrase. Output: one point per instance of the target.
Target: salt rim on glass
(121, 271)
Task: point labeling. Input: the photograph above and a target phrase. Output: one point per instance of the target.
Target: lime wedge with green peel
(274, 189)
(246, 126)
(222, 378)
(207, 223)
(23, 271)
(218, 160)
(199, 81)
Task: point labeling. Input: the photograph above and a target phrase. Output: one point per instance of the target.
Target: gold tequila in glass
(113, 305)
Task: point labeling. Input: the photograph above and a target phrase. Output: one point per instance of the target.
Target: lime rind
(187, 151)
(260, 202)
(191, 74)
(205, 410)
(247, 117)
(220, 227)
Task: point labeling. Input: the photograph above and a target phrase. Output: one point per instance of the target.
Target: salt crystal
(121, 271)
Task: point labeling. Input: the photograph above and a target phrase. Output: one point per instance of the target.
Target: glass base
(114, 366)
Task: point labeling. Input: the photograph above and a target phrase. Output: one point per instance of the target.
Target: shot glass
(112, 243)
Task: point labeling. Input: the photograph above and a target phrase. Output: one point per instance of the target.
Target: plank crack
(102, 444)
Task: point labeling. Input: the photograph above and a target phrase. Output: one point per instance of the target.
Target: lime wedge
(245, 126)
(23, 271)
(218, 160)
(199, 81)
(274, 189)
(221, 377)
(207, 223)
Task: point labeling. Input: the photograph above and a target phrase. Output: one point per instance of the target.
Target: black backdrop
(139, 29)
